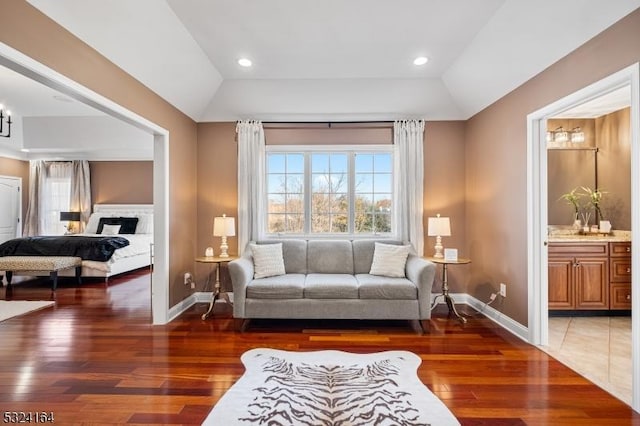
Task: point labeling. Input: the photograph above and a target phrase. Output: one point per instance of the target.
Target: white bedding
(139, 244)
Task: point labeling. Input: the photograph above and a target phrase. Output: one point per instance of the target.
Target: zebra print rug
(329, 388)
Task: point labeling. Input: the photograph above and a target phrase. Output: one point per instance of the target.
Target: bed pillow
(145, 224)
(127, 224)
(267, 260)
(389, 260)
(111, 229)
(92, 223)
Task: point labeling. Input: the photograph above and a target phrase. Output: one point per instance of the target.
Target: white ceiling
(334, 59)
(605, 104)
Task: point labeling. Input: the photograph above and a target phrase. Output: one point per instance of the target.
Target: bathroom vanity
(590, 273)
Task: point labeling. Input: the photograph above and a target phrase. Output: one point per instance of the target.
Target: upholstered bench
(51, 264)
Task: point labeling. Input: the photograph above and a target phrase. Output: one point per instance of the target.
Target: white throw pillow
(389, 260)
(145, 224)
(267, 260)
(110, 229)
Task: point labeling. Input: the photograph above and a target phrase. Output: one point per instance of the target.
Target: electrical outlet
(188, 279)
(503, 290)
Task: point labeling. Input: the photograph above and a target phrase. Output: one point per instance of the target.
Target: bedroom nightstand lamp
(224, 227)
(70, 217)
(438, 227)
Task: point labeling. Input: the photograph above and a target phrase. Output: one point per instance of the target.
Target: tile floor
(598, 348)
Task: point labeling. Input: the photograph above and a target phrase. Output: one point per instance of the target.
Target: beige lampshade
(224, 226)
(439, 226)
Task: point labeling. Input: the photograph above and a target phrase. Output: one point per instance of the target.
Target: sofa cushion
(267, 260)
(289, 286)
(363, 254)
(389, 260)
(329, 257)
(295, 254)
(330, 286)
(378, 287)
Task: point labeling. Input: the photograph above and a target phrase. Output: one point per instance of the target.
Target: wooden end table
(445, 285)
(217, 260)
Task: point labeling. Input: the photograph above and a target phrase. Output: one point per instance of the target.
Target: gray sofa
(331, 280)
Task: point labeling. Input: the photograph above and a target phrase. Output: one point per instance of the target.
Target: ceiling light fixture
(244, 62)
(420, 60)
(2, 122)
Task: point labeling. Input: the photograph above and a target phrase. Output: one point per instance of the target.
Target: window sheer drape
(56, 186)
(251, 194)
(408, 136)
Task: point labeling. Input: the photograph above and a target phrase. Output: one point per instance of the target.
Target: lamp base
(224, 248)
(438, 247)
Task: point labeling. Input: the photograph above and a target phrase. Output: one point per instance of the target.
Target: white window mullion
(308, 196)
(352, 192)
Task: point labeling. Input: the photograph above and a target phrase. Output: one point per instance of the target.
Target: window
(57, 196)
(329, 191)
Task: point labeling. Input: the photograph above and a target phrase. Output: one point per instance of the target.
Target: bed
(137, 254)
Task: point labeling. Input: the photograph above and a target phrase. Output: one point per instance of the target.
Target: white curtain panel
(251, 194)
(408, 137)
(81, 191)
(37, 175)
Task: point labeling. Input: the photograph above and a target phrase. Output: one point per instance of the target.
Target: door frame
(20, 223)
(23, 64)
(537, 221)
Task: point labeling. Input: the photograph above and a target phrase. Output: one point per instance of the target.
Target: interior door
(10, 208)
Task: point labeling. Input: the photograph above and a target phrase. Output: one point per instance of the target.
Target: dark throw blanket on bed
(88, 248)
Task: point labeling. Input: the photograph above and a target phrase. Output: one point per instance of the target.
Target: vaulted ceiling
(334, 59)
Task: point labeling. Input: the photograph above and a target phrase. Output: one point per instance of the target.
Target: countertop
(565, 236)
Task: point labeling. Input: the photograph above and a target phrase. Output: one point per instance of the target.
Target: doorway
(537, 221)
(11, 202)
(30, 68)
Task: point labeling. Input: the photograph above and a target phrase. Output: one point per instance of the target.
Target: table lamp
(224, 227)
(70, 217)
(438, 227)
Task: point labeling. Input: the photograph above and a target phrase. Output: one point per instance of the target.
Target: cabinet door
(620, 296)
(592, 283)
(561, 288)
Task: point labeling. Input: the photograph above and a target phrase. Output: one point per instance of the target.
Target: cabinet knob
(628, 270)
(628, 297)
(628, 249)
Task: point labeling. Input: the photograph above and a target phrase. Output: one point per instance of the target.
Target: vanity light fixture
(244, 62)
(559, 135)
(577, 135)
(2, 122)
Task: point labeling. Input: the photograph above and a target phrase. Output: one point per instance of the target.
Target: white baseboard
(493, 314)
(197, 297)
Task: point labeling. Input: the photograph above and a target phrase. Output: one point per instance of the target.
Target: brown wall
(17, 168)
(443, 191)
(496, 163)
(26, 29)
(614, 167)
(121, 182)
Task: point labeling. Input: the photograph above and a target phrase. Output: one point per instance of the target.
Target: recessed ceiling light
(244, 62)
(24, 150)
(420, 60)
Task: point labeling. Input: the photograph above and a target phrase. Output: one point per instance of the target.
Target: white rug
(13, 308)
(329, 388)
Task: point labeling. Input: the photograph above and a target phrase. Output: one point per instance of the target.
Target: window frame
(351, 151)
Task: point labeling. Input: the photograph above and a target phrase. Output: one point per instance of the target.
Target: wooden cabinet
(589, 275)
(620, 275)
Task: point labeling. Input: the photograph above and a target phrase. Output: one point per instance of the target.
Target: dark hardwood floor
(95, 358)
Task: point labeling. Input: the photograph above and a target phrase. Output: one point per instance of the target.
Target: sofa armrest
(241, 272)
(422, 272)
